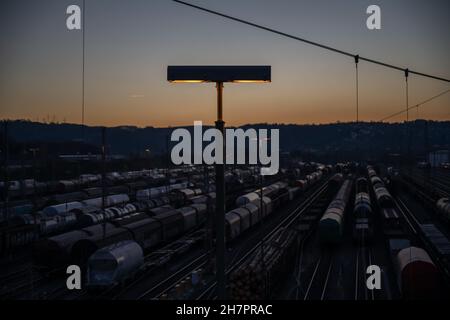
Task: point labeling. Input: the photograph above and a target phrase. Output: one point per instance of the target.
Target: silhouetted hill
(373, 137)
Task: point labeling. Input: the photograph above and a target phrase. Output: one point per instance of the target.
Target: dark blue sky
(130, 43)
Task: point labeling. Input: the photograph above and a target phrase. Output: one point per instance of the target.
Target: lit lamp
(219, 75)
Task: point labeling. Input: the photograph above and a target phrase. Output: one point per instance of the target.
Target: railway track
(21, 283)
(435, 184)
(170, 282)
(264, 229)
(14, 276)
(364, 258)
(319, 281)
(415, 226)
(286, 222)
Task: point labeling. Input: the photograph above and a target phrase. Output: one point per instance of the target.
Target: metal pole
(220, 204)
(6, 180)
(357, 88)
(408, 129)
(103, 179)
(263, 211)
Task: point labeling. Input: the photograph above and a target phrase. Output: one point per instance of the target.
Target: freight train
(117, 262)
(331, 224)
(416, 272)
(63, 217)
(362, 217)
(252, 209)
(248, 213)
(149, 229)
(29, 187)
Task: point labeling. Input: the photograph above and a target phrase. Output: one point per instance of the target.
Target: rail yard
(312, 232)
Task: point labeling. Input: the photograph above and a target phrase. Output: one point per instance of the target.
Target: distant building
(436, 158)
(85, 157)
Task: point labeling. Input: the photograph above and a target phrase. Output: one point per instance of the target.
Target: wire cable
(415, 106)
(345, 53)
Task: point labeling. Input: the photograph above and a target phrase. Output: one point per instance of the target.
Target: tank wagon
(362, 217)
(114, 264)
(61, 217)
(238, 220)
(362, 185)
(147, 229)
(332, 222)
(417, 275)
(384, 198)
(336, 181)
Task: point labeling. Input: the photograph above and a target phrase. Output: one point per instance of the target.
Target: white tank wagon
(332, 223)
(58, 209)
(384, 198)
(114, 264)
(443, 207)
(112, 200)
(88, 216)
(376, 182)
(57, 223)
(147, 194)
(247, 198)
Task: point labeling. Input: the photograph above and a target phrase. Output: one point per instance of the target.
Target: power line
(345, 53)
(82, 75)
(415, 106)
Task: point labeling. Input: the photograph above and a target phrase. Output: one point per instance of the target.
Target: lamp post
(219, 75)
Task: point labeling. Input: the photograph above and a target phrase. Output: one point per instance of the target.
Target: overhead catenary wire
(415, 106)
(345, 53)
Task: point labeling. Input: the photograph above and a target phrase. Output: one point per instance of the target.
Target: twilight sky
(130, 43)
